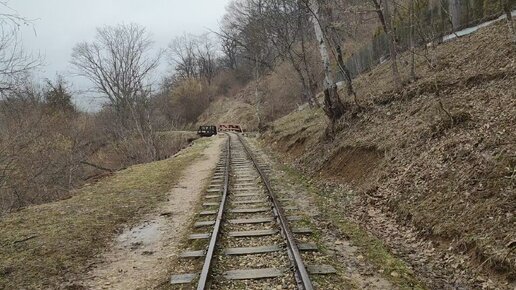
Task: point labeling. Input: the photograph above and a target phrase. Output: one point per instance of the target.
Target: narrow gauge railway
(250, 244)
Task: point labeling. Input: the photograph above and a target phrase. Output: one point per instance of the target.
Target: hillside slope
(230, 111)
(439, 154)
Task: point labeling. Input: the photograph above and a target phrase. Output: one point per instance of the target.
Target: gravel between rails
(245, 185)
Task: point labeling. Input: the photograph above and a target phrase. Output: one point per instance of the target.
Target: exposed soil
(352, 165)
(135, 260)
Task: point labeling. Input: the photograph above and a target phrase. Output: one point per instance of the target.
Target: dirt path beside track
(138, 256)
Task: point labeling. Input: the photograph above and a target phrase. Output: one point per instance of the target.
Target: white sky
(60, 24)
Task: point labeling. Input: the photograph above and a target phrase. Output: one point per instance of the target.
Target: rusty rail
(203, 279)
(302, 276)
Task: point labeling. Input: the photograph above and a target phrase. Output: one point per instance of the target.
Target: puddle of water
(145, 234)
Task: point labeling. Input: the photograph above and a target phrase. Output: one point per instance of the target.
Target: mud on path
(137, 258)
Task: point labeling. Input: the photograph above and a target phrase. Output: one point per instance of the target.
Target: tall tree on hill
(287, 25)
(333, 106)
(384, 15)
(119, 63)
(15, 63)
(244, 25)
(510, 23)
(334, 36)
(412, 21)
(193, 57)
(182, 52)
(206, 56)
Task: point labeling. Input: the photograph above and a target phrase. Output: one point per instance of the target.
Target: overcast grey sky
(60, 24)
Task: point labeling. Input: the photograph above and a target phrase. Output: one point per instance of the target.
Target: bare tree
(182, 51)
(412, 20)
(384, 15)
(287, 25)
(333, 106)
(244, 25)
(15, 63)
(206, 54)
(119, 63)
(193, 56)
(510, 23)
(333, 35)
(230, 50)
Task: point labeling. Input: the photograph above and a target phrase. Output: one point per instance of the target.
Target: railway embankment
(429, 168)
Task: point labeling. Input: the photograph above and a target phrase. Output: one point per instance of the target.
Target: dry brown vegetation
(48, 148)
(47, 246)
(439, 153)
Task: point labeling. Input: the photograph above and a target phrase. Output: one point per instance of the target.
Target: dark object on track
(207, 131)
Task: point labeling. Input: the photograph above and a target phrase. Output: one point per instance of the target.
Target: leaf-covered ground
(438, 155)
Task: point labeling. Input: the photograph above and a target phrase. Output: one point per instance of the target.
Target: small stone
(395, 274)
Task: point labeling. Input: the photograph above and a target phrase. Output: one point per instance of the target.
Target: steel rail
(203, 279)
(304, 281)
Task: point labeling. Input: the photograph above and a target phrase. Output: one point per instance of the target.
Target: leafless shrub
(15, 63)
(42, 147)
(118, 64)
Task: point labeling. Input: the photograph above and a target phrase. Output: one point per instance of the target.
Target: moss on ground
(48, 245)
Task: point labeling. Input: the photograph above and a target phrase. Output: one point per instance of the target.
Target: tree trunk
(385, 19)
(308, 95)
(510, 22)
(312, 84)
(333, 106)
(257, 92)
(147, 140)
(412, 41)
(347, 75)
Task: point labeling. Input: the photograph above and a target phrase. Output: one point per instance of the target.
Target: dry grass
(48, 245)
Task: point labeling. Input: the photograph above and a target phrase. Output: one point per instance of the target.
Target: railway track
(242, 235)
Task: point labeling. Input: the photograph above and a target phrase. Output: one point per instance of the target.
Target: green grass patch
(44, 246)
